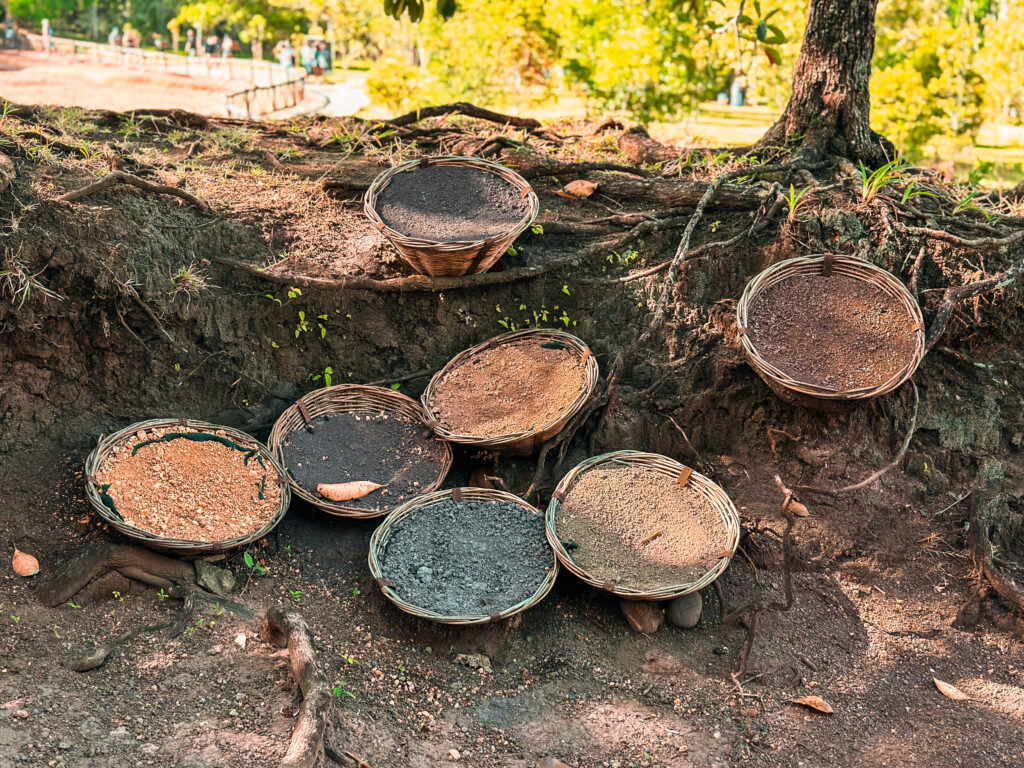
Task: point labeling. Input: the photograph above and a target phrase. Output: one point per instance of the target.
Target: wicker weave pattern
(666, 466)
(849, 266)
(435, 258)
(381, 536)
(106, 445)
(525, 443)
(347, 398)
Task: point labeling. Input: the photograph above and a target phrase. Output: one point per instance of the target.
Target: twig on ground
(285, 627)
(120, 177)
(462, 108)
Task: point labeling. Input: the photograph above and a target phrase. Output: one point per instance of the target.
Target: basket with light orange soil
(830, 331)
(184, 486)
(513, 392)
(359, 451)
(642, 526)
(451, 215)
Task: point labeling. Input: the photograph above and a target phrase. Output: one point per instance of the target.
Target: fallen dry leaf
(798, 509)
(551, 762)
(814, 702)
(347, 491)
(950, 691)
(23, 564)
(578, 189)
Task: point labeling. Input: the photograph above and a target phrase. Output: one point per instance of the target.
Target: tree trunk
(829, 111)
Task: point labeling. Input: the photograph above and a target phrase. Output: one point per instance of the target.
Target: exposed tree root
(463, 108)
(285, 627)
(120, 177)
(640, 148)
(981, 550)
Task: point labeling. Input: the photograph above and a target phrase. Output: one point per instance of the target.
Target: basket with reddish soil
(513, 392)
(186, 486)
(451, 215)
(463, 556)
(642, 526)
(829, 331)
(358, 451)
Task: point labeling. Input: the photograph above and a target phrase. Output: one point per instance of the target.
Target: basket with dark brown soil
(513, 392)
(465, 556)
(836, 328)
(642, 526)
(359, 451)
(186, 486)
(451, 215)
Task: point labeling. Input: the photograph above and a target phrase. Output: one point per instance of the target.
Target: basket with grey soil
(359, 451)
(463, 556)
(451, 215)
(642, 526)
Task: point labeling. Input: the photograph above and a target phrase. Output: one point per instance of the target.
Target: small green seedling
(340, 690)
(255, 569)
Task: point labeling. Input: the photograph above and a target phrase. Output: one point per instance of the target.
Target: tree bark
(830, 109)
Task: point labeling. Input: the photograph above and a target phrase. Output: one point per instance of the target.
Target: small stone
(475, 661)
(118, 733)
(643, 616)
(233, 712)
(453, 754)
(425, 574)
(220, 581)
(150, 749)
(685, 610)
(215, 649)
(240, 640)
(21, 713)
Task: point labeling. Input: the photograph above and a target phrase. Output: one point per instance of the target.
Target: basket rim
(848, 266)
(587, 360)
(380, 183)
(664, 465)
(106, 444)
(380, 536)
(362, 398)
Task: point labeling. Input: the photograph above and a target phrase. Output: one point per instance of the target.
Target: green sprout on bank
(873, 182)
(795, 199)
(17, 283)
(396, 386)
(327, 376)
(255, 569)
(966, 203)
(295, 595)
(912, 191)
(303, 325)
(189, 281)
(340, 689)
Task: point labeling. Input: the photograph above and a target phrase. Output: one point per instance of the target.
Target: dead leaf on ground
(347, 491)
(814, 702)
(950, 691)
(551, 762)
(578, 189)
(798, 509)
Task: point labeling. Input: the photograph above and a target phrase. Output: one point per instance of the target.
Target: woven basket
(346, 398)
(380, 538)
(180, 546)
(525, 443)
(466, 257)
(811, 395)
(666, 466)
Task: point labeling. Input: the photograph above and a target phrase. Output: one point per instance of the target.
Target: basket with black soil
(451, 215)
(350, 434)
(642, 526)
(463, 556)
(186, 486)
(513, 392)
(829, 331)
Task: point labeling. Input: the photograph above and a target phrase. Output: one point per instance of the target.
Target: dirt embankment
(163, 308)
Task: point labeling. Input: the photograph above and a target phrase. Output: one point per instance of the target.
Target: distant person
(114, 38)
(10, 34)
(227, 47)
(285, 53)
(212, 45)
(191, 46)
(307, 57)
(130, 38)
(323, 57)
(47, 42)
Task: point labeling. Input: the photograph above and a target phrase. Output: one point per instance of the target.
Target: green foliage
(873, 182)
(255, 569)
(795, 199)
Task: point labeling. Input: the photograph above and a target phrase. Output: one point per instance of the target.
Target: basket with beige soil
(513, 392)
(186, 486)
(830, 331)
(642, 526)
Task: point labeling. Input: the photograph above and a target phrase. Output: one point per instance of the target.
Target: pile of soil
(509, 389)
(639, 528)
(181, 488)
(467, 558)
(451, 203)
(836, 331)
(386, 448)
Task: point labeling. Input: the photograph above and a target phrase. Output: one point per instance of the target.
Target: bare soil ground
(33, 77)
(880, 574)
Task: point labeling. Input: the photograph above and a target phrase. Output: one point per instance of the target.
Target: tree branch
(463, 108)
(120, 177)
